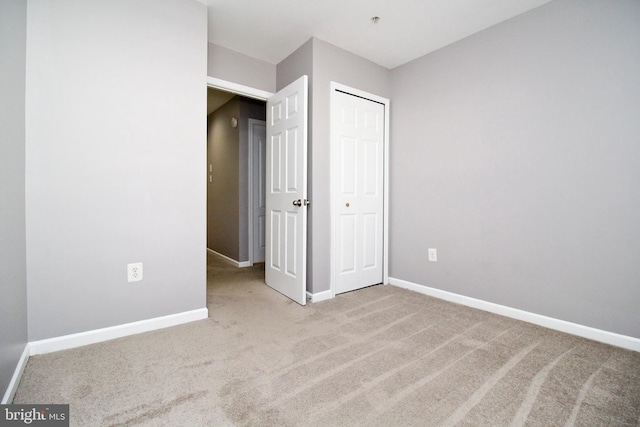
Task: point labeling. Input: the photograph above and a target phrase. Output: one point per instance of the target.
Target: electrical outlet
(433, 255)
(134, 272)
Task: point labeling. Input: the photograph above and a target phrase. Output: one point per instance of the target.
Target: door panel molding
(286, 234)
(335, 151)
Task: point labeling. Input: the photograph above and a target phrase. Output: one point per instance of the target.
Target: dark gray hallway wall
(515, 153)
(228, 193)
(13, 268)
(223, 153)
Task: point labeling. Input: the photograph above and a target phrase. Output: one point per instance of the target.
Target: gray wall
(515, 153)
(223, 153)
(299, 63)
(327, 63)
(13, 270)
(228, 193)
(227, 64)
(115, 169)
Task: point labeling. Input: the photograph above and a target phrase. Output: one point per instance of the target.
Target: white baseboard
(239, 264)
(606, 337)
(98, 335)
(319, 296)
(17, 374)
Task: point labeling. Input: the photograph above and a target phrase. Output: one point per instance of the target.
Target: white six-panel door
(358, 126)
(286, 194)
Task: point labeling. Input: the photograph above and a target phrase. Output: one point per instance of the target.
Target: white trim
(98, 335)
(250, 190)
(606, 337)
(319, 296)
(239, 264)
(17, 375)
(334, 86)
(252, 122)
(238, 89)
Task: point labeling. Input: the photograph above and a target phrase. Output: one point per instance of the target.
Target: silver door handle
(297, 203)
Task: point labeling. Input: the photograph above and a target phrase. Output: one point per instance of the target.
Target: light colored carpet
(381, 356)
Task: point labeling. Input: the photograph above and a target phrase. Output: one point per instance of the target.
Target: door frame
(249, 92)
(238, 89)
(250, 186)
(333, 152)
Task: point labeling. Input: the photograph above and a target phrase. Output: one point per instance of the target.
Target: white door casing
(286, 194)
(359, 206)
(257, 187)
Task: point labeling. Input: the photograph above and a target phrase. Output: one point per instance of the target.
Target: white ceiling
(408, 29)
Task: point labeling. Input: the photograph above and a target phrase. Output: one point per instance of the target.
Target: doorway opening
(285, 178)
(234, 115)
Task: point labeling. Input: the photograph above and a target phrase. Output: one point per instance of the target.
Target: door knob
(297, 203)
(347, 204)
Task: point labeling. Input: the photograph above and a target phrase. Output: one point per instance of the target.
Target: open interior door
(286, 195)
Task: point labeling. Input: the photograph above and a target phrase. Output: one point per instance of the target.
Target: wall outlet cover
(134, 272)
